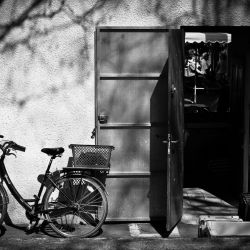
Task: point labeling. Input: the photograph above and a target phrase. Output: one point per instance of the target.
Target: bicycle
(74, 204)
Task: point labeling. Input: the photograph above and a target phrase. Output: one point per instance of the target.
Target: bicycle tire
(76, 207)
(3, 204)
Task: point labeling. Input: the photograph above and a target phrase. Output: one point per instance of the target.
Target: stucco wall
(47, 69)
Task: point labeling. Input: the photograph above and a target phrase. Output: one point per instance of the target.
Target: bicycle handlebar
(18, 147)
(13, 145)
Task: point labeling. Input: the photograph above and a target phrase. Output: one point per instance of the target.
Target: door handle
(173, 142)
(165, 140)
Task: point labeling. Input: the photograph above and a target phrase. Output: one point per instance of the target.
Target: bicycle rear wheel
(76, 207)
(3, 204)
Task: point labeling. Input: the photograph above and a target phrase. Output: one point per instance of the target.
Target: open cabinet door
(176, 129)
(167, 131)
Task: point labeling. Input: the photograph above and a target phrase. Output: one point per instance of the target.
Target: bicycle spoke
(91, 199)
(93, 204)
(88, 211)
(71, 184)
(66, 220)
(80, 201)
(89, 207)
(79, 187)
(73, 217)
(88, 218)
(84, 191)
(56, 203)
(63, 193)
(59, 211)
(62, 204)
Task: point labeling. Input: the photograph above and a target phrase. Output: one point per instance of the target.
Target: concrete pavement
(137, 235)
(16, 238)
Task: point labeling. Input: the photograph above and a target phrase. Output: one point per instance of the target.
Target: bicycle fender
(101, 184)
(85, 176)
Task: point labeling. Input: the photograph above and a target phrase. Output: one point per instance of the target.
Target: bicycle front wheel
(76, 207)
(3, 204)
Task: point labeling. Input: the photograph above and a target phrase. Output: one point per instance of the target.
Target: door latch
(167, 140)
(103, 118)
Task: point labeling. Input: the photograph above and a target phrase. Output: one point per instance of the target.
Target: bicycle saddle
(53, 151)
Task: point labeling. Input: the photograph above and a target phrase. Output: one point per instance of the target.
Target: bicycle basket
(91, 156)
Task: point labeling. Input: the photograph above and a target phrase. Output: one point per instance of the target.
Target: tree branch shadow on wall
(35, 21)
(16, 15)
(206, 12)
(38, 10)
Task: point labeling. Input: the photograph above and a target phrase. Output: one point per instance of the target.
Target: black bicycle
(74, 203)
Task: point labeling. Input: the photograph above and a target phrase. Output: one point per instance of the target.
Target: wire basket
(91, 156)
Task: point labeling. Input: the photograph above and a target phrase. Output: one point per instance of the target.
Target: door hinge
(93, 133)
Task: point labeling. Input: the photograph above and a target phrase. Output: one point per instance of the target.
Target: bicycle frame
(34, 209)
(25, 202)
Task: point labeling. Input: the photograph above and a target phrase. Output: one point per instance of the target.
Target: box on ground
(222, 226)
(244, 207)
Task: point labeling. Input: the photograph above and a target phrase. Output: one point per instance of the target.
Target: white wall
(47, 70)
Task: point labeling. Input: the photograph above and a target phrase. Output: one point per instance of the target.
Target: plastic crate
(91, 156)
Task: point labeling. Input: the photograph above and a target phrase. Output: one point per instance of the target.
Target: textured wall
(47, 69)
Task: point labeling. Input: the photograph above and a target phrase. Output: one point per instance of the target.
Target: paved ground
(139, 235)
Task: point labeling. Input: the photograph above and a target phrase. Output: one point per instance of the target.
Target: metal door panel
(133, 197)
(131, 146)
(125, 101)
(132, 51)
(128, 198)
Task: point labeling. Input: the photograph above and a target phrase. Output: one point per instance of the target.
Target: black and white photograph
(124, 124)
